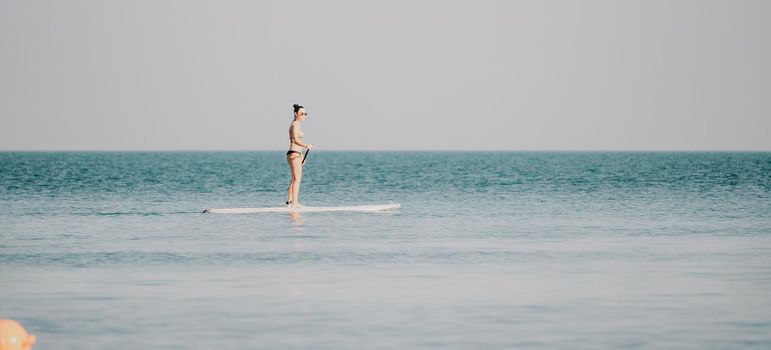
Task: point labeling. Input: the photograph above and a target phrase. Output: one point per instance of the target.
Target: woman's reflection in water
(294, 288)
(296, 218)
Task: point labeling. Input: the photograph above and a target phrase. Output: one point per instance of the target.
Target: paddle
(305, 156)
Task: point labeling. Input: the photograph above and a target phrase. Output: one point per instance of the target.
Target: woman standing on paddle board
(295, 156)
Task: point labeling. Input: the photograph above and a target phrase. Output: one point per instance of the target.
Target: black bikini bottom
(290, 152)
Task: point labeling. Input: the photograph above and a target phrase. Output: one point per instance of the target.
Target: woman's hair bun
(296, 107)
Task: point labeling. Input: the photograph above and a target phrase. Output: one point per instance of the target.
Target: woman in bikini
(295, 156)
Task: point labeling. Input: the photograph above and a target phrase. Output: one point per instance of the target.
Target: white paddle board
(359, 208)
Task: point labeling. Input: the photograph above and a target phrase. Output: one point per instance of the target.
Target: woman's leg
(295, 166)
(290, 189)
(296, 179)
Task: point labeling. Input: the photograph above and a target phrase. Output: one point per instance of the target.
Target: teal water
(490, 250)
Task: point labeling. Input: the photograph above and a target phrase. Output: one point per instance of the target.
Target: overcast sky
(386, 75)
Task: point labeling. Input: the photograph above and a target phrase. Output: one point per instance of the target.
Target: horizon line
(396, 150)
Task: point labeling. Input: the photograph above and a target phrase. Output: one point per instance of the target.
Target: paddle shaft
(305, 156)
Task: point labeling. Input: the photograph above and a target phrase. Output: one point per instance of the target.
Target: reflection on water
(296, 218)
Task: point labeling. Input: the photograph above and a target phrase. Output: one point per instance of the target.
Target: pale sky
(386, 75)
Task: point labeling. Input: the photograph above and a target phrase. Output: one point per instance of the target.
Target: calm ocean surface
(490, 250)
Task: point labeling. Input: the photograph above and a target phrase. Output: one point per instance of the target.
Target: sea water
(490, 250)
